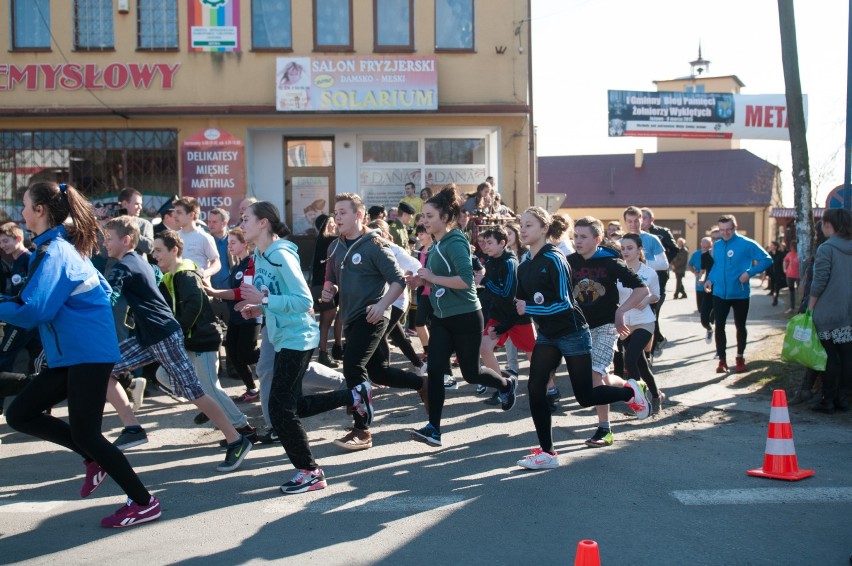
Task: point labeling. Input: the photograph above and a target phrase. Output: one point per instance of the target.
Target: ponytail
(448, 203)
(267, 210)
(62, 201)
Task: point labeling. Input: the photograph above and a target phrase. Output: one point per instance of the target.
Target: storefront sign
(367, 84)
(466, 179)
(698, 115)
(214, 171)
(385, 186)
(214, 25)
(74, 76)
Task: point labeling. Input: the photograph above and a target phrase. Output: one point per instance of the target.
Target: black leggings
(722, 307)
(635, 361)
(837, 378)
(366, 355)
(84, 386)
(241, 349)
(461, 334)
(545, 359)
(287, 405)
(397, 336)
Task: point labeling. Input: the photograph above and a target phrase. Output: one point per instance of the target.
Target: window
(454, 26)
(31, 25)
(272, 26)
(455, 151)
(333, 25)
(389, 151)
(157, 24)
(98, 162)
(93, 25)
(393, 24)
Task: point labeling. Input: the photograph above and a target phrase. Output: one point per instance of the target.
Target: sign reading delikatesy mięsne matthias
(213, 170)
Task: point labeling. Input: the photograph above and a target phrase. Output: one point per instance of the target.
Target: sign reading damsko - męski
(367, 84)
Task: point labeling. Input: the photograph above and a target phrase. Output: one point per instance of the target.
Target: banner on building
(214, 171)
(214, 25)
(367, 84)
(698, 115)
(385, 186)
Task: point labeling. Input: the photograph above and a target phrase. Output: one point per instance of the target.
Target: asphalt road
(671, 490)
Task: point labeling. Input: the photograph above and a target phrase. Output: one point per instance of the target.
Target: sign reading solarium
(367, 84)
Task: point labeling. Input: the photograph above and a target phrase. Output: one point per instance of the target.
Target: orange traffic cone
(780, 460)
(587, 554)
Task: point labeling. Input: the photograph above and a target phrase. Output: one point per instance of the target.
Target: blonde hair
(540, 214)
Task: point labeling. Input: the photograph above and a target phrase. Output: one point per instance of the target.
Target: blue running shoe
(427, 435)
(507, 399)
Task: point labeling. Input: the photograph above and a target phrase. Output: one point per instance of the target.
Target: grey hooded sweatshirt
(362, 272)
(831, 284)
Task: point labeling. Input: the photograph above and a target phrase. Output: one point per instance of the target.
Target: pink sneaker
(95, 476)
(538, 459)
(131, 514)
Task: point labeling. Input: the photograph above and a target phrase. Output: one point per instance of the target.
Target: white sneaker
(708, 339)
(538, 459)
(137, 386)
(424, 369)
(641, 403)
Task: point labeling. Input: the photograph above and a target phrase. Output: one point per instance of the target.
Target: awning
(791, 213)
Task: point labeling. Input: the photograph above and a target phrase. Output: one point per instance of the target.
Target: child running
(67, 299)
(456, 322)
(545, 292)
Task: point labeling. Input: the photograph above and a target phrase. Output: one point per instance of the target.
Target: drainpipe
(532, 140)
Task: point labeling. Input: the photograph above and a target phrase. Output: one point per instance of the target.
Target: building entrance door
(309, 189)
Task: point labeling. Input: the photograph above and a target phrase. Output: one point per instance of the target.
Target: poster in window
(214, 25)
(309, 200)
(465, 178)
(214, 170)
(385, 186)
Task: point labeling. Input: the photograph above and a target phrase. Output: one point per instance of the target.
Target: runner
(67, 299)
(595, 273)
(545, 292)
(736, 259)
(457, 322)
(363, 270)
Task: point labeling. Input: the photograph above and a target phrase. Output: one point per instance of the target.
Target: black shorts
(424, 310)
(319, 306)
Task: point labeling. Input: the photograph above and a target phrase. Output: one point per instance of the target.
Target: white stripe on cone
(779, 415)
(780, 447)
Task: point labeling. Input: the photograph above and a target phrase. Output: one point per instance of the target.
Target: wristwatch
(265, 300)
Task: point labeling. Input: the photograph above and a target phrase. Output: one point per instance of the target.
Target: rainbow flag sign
(214, 25)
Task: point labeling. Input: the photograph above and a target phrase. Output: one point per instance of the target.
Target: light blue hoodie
(733, 258)
(289, 321)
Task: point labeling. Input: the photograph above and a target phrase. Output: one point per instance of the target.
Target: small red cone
(779, 461)
(587, 554)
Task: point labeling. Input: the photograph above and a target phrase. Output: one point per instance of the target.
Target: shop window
(389, 151)
(454, 25)
(157, 25)
(393, 25)
(93, 25)
(333, 25)
(30, 25)
(310, 153)
(454, 151)
(271, 25)
(98, 162)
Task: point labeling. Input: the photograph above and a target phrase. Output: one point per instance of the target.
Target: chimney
(638, 159)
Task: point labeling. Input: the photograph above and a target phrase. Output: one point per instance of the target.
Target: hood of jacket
(841, 244)
(603, 252)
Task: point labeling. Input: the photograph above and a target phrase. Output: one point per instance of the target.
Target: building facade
(291, 101)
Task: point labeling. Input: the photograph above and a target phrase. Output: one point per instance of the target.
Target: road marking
(30, 506)
(764, 495)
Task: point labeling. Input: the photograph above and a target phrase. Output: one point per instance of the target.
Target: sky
(582, 48)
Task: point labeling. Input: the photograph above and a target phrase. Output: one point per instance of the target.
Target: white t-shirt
(200, 247)
(643, 313)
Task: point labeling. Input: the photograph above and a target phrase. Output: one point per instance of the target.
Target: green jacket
(448, 257)
(398, 233)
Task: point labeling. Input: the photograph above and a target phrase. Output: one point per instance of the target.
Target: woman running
(456, 323)
(67, 299)
(640, 320)
(545, 293)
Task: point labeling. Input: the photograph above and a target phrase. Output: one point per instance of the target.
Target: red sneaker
(740, 364)
(132, 514)
(722, 367)
(95, 476)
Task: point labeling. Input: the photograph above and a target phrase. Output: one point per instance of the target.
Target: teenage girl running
(545, 293)
(67, 299)
(456, 322)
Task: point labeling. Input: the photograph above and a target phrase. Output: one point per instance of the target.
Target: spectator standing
(412, 200)
(678, 266)
(791, 272)
(199, 246)
(778, 280)
(130, 203)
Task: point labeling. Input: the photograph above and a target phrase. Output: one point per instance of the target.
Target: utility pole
(847, 175)
(798, 141)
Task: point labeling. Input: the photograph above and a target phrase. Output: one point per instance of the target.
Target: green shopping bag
(801, 343)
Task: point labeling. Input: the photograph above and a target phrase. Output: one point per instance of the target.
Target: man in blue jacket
(736, 260)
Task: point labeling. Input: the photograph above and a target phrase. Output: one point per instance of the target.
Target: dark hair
(189, 204)
(128, 193)
(728, 219)
(841, 220)
(62, 202)
(265, 210)
(428, 191)
(559, 225)
(632, 211)
(222, 213)
(410, 184)
(592, 223)
(448, 203)
(498, 233)
(636, 239)
(171, 239)
(819, 237)
(419, 229)
(376, 211)
(516, 230)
